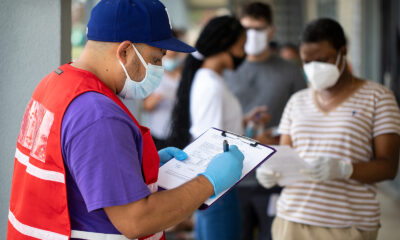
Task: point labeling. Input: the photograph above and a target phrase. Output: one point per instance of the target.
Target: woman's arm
(385, 163)
(151, 102)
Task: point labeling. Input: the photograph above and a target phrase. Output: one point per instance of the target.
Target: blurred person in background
(160, 103)
(263, 79)
(348, 130)
(204, 101)
(290, 52)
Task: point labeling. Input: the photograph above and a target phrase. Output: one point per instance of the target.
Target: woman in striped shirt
(348, 130)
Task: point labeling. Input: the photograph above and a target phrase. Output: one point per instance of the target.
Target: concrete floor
(390, 217)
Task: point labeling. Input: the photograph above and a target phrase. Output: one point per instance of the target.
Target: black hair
(324, 29)
(218, 36)
(291, 46)
(257, 10)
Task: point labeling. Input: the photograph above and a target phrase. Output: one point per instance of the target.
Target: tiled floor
(390, 218)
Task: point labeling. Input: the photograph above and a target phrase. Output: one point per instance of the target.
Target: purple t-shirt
(102, 151)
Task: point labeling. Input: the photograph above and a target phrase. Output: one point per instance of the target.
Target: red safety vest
(38, 205)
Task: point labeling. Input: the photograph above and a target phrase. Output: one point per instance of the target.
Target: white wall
(35, 39)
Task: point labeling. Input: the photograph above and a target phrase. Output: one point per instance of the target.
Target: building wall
(35, 39)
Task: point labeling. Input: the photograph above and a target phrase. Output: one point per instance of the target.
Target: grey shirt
(270, 82)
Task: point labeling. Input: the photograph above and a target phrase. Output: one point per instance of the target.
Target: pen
(225, 146)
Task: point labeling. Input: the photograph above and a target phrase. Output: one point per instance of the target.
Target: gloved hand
(326, 168)
(168, 153)
(225, 169)
(267, 177)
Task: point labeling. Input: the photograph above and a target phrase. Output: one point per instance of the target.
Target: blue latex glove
(225, 169)
(168, 153)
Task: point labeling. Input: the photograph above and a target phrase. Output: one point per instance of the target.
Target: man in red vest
(84, 168)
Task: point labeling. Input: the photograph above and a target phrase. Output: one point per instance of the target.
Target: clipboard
(202, 150)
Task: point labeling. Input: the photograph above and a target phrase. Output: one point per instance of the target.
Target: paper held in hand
(288, 164)
(202, 150)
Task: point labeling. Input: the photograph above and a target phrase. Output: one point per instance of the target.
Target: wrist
(347, 169)
(209, 182)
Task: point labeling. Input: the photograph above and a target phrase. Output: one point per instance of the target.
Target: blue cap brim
(172, 44)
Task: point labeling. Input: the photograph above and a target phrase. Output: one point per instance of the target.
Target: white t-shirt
(213, 105)
(345, 133)
(159, 120)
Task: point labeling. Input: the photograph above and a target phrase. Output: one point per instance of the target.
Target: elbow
(134, 232)
(392, 175)
(393, 171)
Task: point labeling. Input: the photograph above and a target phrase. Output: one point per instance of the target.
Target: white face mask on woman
(323, 75)
(150, 82)
(257, 41)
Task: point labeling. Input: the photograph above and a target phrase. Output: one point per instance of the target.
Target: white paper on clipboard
(202, 150)
(288, 164)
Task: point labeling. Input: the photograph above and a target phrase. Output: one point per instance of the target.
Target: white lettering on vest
(35, 129)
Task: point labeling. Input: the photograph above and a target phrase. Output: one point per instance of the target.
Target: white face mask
(257, 41)
(150, 82)
(323, 75)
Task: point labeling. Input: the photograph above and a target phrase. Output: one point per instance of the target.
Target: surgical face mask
(256, 42)
(170, 64)
(323, 75)
(150, 82)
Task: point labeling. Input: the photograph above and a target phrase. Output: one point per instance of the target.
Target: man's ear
(122, 51)
(271, 32)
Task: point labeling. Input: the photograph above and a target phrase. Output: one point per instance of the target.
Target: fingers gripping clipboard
(200, 152)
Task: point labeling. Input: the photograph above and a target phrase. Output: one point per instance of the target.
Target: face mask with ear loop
(257, 41)
(324, 75)
(150, 82)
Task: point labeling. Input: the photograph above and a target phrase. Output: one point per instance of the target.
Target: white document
(288, 164)
(202, 150)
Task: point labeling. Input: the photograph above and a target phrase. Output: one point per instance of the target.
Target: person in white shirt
(204, 101)
(160, 103)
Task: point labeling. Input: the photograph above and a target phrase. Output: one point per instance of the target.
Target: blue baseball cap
(139, 21)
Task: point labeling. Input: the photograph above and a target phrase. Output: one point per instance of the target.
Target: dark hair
(324, 29)
(218, 36)
(257, 10)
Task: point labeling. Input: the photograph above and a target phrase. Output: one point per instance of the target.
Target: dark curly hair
(324, 29)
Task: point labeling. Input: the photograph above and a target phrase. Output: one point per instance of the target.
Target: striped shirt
(345, 133)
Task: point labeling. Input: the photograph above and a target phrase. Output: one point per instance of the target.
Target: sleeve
(387, 115)
(206, 109)
(286, 119)
(105, 162)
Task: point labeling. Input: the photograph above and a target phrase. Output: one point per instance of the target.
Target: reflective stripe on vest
(104, 236)
(38, 172)
(34, 232)
(47, 235)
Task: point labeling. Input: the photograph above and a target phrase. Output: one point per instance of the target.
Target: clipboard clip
(252, 142)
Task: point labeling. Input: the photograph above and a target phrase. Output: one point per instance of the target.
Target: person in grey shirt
(268, 82)
(263, 79)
